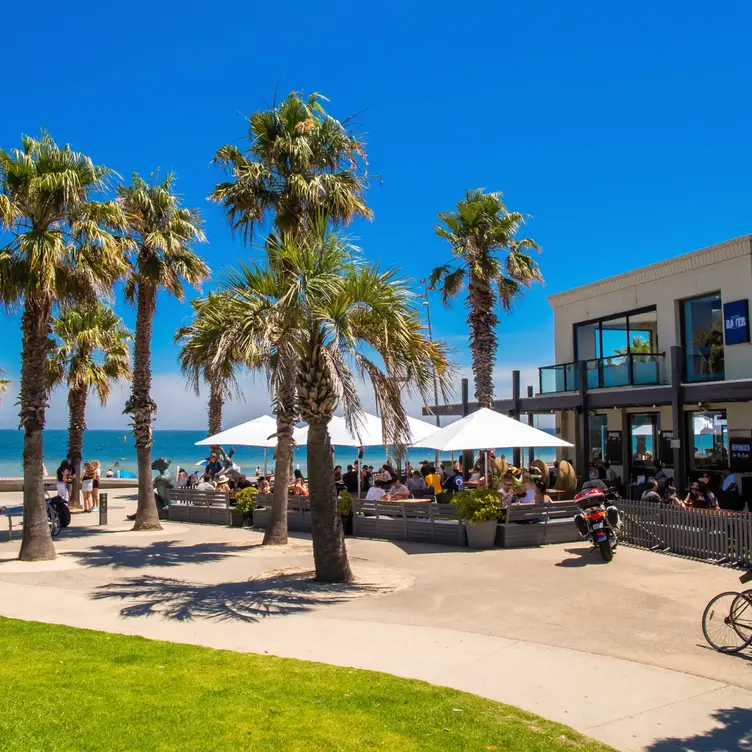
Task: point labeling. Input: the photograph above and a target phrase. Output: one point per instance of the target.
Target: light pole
(427, 304)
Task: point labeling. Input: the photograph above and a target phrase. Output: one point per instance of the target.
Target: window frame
(621, 314)
(683, 336)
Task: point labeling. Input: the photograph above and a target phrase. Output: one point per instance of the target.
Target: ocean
(116, 449)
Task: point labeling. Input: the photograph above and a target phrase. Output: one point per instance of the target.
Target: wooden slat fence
(715, 535)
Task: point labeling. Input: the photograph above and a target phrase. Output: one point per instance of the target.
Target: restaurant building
(653, 365)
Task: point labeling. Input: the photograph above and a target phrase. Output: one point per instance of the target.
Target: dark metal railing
(632, 369)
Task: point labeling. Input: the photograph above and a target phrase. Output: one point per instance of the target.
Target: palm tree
(495, 267)
(62, 248)
(160, 233)
(205, 356)
(319, 298)
(299, 162)
(91, 351)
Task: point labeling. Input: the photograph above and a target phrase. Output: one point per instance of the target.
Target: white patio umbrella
(256, 432)
(487, 429)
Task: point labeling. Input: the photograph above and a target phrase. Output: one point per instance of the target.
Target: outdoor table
(554, 492)
(472, 483)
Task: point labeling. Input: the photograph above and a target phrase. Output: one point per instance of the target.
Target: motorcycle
(599, 520)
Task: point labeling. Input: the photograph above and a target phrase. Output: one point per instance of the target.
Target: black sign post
(740, 455)
(103, 509)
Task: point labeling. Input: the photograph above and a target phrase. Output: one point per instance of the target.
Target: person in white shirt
(206, 484)
(375, 493)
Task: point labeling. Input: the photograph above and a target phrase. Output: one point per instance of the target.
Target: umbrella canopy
(369, 432)
(251, 433)
(485, 429)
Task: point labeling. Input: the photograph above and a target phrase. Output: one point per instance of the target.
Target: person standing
(87, 484)
(63, 478)
(97, 471)
(456, 484)
(433, 481)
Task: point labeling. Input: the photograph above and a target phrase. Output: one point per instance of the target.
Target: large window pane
(598, 432)
(643, 332)
(708, 434)
(643, 430)
(703, 338)
(614, 337)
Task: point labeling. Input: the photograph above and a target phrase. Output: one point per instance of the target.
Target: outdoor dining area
(488, 503)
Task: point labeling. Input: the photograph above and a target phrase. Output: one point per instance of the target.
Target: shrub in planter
(244, 503)
(480, 509)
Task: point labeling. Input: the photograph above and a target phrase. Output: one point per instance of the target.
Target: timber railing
(719, 536)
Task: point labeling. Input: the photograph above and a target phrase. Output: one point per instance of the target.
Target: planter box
(481, 535)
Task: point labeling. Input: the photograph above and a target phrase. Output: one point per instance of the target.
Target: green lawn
(73, 689)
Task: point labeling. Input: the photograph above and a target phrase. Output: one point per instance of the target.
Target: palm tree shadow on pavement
(272, 594)
(734, 734)
(157, 554)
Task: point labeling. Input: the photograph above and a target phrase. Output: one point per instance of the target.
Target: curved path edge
(626, 704)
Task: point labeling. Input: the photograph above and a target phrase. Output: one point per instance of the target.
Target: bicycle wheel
(727, 622)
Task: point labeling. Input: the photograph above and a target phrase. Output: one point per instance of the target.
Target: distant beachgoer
(87, 483)
(97, 469)
(258, 471)
(109, 473)
(63, 478)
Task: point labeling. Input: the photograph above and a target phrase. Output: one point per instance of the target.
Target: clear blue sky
(622, 128)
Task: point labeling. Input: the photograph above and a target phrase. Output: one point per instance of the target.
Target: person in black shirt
(350, 479)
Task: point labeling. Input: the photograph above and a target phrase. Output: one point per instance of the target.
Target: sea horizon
(116, 449)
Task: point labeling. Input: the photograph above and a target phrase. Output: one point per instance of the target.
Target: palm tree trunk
(141, 408)
(482, 320)
(36, 544)
(276, 532)
(216, 405)
(76, 428)
(329, 551)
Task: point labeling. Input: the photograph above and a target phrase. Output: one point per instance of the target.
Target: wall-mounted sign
(736, 322)
(740, 455)
(613, 447)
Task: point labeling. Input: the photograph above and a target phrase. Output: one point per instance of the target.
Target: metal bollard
(102, 508)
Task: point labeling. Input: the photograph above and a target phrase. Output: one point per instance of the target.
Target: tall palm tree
(335, 311)
(159, 237)
(205, 356)
(299, 162)
(62, 247)
(91, 351)
(495, 267)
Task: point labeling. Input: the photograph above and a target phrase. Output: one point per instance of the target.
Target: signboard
(613, 447)
(736, 322)
(740, 455)
(666, 449)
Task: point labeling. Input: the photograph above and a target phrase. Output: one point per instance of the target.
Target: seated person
(299, 487)
(222, 483)
(651, 493)
(264, 487)
(206, 484)
(398, 491)
(416, 482)
(541, 497)
(375, 493)
(182, 479)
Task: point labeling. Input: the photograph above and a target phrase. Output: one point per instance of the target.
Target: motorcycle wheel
(605, 549)
(54, 519)
(64, 513)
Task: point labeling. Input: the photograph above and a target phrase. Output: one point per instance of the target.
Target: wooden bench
(10, 513)
(538, 524)
(298, 512)
(190, 505)
(420, 521)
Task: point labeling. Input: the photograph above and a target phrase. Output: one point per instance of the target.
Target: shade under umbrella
(486, 429)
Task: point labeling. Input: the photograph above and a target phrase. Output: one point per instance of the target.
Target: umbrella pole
(486, 457)
(360, 471)
(265, 456)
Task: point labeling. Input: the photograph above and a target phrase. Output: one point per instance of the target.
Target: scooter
(599, 521)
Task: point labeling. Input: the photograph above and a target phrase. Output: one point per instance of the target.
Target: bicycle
(727, 620)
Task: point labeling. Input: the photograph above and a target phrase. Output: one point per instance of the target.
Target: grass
(74, 689)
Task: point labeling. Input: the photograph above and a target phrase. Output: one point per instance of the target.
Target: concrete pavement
(509, 625)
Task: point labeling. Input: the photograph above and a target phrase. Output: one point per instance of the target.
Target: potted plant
(242, 512)
(346, 510)
(480, 509)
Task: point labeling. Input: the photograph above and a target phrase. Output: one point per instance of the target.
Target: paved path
(193, 584)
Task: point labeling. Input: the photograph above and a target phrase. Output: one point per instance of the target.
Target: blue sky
(622, 128)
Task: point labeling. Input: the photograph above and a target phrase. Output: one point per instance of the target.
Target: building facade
(654, 365)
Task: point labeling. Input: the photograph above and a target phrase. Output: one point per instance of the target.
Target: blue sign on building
(736, 322)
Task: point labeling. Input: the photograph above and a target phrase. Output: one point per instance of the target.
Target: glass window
(643, 332)
(598, 432)
(703, 337)
(643, 431)
(708, 438)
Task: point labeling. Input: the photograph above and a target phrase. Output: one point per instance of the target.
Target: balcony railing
(634, 369)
